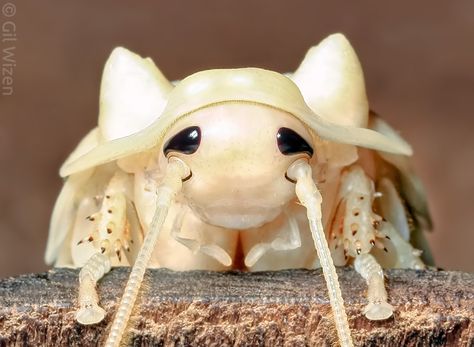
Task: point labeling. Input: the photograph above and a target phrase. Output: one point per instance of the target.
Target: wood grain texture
(433, 308)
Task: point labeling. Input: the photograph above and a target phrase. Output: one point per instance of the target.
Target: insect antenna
(176, 171)
(310, 197)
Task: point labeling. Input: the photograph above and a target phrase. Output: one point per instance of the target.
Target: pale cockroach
(292, 169)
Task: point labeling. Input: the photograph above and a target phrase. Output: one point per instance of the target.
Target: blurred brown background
(418, 59)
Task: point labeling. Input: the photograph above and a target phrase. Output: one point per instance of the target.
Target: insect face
(238, 155)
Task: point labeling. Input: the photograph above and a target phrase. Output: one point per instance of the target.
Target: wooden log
(199, 308)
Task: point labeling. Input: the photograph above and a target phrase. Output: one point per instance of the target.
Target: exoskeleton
(286, 171)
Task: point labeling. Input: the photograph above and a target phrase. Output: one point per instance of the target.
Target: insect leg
(104, 230)
(90, 312)
(378, 307)
(357, 223)
(361, 233)
(172, 182)
(407, 257)
(195, 246)
(311, 198)
(287, 240)
(398, 228)
(108, 228)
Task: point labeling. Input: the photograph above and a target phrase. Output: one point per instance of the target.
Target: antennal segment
(176, 171)
(310, 197)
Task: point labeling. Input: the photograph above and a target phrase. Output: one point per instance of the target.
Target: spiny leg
(310, 197)
(359, 232)
(110, 226)
(195, 246)
(112, 232)
(176, 171)
(355, 225)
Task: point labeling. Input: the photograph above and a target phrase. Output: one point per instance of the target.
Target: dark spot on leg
(354, 228)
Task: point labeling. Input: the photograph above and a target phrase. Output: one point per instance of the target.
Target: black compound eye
(289, 142)
(186, 141)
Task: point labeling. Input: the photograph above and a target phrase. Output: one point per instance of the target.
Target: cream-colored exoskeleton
(288, 171)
